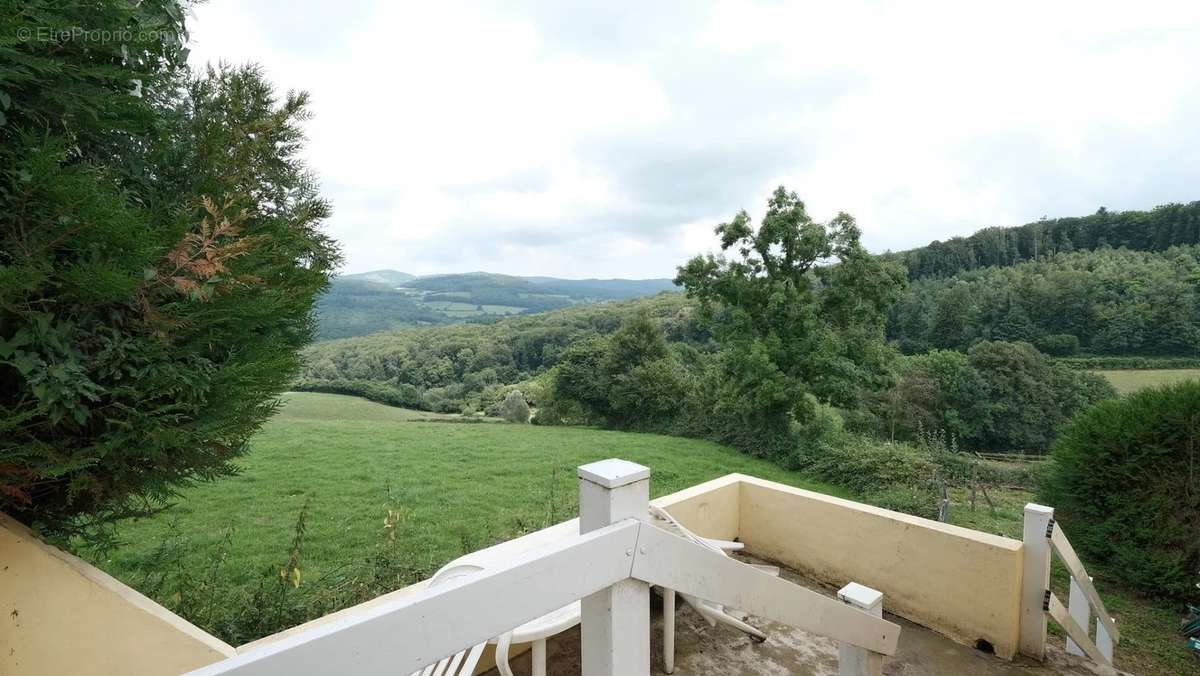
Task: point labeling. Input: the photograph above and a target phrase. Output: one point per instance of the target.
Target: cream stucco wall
(959, 582)
(59, 615)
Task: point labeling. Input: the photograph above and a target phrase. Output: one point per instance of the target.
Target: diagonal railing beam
(1066, 553)
(1077, 633)
(407, 634)
(672, 562)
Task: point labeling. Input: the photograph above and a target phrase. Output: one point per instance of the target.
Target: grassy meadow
(454, 486)
(1132, 380)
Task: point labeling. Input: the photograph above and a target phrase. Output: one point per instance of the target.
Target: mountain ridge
(375, 275)
(381, 300)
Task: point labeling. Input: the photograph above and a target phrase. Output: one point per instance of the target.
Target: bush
(1125, 482)
(1058, 345)
(1029, 397)
(404, 396)
(826, 423)
(865, 466)
(919, 500)
(1123, 363)
(1002, 396)
(514, 409)
(892, 476)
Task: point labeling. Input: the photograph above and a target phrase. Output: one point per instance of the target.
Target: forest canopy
(1106, 302)
(1156, 230)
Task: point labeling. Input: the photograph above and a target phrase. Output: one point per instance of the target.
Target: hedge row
(1129, 363)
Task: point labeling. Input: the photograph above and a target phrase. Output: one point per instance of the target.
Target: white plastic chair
(462, 663)
(536, 632)
(712, 612)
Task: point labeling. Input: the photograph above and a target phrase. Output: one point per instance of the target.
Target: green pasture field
(1132, 380)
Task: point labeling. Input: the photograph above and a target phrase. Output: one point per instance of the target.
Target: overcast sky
(606, 139)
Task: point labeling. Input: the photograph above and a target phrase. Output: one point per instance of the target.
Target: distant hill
(359, 304)
(1156, 230)
(389, 277)
(355, 307)
(608, 288)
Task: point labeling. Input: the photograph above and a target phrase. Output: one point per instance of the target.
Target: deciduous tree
(798, 307)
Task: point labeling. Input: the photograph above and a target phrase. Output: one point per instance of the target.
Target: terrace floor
(702, 650)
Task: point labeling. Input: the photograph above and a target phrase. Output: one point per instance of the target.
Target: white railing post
(615, 628)
(1079, 608)
(1104, 642)
(852, 660)
(1035, 580)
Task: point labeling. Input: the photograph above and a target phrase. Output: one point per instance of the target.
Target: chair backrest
(675, 527)
(462, 663)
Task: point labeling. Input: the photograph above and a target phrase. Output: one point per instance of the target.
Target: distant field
(461, 310)
(460, 486)
(317, 407)
(502, 309)
(450, 306)
(1127, 381)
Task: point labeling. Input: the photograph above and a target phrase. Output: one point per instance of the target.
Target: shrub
(961, 405)
(1125, 481)
(1002, 396)
(1058, 345)
(514, 409)
(865, 466)
(1029, 397)
(826, 423)
(1120, 363)
(404, 396)
(919, 500)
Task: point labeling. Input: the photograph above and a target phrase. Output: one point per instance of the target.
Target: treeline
(999, 396)
(1103, 302)
(448, 368)
(651, 365)
(1156, 230)
(1129, 363)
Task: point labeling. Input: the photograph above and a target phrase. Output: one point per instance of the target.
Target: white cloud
(607, 139)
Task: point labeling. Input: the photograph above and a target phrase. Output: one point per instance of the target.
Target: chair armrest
(725, 545)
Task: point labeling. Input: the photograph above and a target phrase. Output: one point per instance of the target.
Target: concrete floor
(702, 650)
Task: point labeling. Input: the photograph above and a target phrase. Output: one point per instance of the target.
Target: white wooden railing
(1043, 536)
(610, 565)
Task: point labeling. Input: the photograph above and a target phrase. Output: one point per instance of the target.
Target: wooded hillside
(1156, 230)
(1108, 302)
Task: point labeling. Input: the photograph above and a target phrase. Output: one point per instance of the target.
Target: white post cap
(1034, 508)
(860, 596)
(614, 472)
